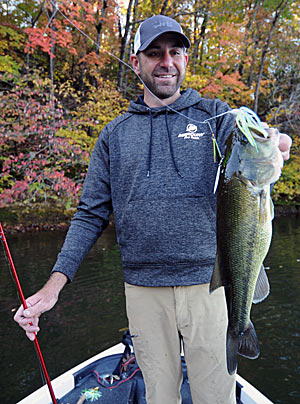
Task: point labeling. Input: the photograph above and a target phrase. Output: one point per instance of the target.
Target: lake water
(90, 314)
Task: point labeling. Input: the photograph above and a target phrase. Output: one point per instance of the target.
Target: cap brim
(185, 40)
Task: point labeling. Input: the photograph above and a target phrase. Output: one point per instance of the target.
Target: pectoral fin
(217, 279)
(272, 211)
(262, 288)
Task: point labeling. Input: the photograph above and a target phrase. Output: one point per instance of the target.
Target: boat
(113, 377)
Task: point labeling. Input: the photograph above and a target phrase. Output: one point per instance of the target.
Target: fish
(245, 212)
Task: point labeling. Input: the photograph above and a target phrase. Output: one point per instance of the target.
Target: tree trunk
(33, 22)
(265, 49)
(248, 30)
(99, 26)
(124, 42)
(52, 59)
(200, 12)
(51, 15)
(164, 7)
(129, 75)
(202, 36)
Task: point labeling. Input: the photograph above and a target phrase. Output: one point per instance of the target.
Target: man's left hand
(285, 142)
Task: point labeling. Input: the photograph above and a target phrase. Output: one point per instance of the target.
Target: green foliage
(9, 66)
(48, 128)
(11, 47)
(99, 104)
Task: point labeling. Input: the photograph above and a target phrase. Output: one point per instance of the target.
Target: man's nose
(166, 60)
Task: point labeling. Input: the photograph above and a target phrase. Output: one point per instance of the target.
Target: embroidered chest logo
(191, 132)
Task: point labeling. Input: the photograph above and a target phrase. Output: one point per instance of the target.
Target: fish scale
(244, 262)
(244, 231)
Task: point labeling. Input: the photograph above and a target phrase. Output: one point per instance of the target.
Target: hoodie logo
(191, 132)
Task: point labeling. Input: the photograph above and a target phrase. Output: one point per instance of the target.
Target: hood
(187, 99)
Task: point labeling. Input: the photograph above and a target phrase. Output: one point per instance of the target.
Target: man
(153, 168)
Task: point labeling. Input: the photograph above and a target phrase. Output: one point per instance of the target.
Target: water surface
(90, 314)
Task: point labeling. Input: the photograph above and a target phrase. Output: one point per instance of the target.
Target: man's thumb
(32, 306)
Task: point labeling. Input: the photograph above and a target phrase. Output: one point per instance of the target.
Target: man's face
(162, 66)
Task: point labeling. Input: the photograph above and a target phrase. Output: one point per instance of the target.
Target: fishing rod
(23, 301)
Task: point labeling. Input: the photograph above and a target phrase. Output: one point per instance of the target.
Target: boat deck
(129, 389)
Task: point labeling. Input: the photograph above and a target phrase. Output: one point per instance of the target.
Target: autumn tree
(12, 37)
(37, 166)
(64, 74)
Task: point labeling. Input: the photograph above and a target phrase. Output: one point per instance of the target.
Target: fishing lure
(246, 119)
(92, 394)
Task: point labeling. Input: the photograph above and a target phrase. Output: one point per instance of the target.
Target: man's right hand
(39, 303)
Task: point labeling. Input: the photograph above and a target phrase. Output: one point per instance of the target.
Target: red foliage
(37, 164)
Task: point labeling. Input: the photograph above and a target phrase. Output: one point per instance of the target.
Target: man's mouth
(165, 76)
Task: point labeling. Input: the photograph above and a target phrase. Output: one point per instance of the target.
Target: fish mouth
(258, 135)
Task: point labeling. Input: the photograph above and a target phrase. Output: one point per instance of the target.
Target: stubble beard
(162, 90)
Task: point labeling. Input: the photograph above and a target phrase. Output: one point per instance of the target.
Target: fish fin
(272, 210)
(262, 288)
(216, 279)
(248, 343)
(232, 345)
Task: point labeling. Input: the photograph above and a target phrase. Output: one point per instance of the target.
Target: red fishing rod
(23, 301)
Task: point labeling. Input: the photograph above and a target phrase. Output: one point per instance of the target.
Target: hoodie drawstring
(170, 143)
(150, 146)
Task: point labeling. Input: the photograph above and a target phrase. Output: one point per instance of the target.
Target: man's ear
(135, 63)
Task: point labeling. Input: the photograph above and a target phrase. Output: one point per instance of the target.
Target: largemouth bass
(244, 228)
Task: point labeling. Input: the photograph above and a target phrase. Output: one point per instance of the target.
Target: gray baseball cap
(155, 26)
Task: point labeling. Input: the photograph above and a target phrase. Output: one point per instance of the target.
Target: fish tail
(249, 346)
(232, 346)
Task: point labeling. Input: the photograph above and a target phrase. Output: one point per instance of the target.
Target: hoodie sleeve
(92, 214)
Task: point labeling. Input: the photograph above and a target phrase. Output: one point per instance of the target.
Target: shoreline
(62, 222)
(33, 227)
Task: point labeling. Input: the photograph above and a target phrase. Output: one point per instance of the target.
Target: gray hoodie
(154, 169)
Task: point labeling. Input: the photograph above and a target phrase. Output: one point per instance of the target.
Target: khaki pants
(157, 315)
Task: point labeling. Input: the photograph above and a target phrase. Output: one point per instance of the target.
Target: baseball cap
(155, 26)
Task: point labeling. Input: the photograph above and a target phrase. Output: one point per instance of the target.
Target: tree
(124, 43)
(244, 52)
(278, 11)
(36, 164)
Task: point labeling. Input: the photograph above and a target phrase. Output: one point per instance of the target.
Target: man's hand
(39, 303)
(285, 142)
